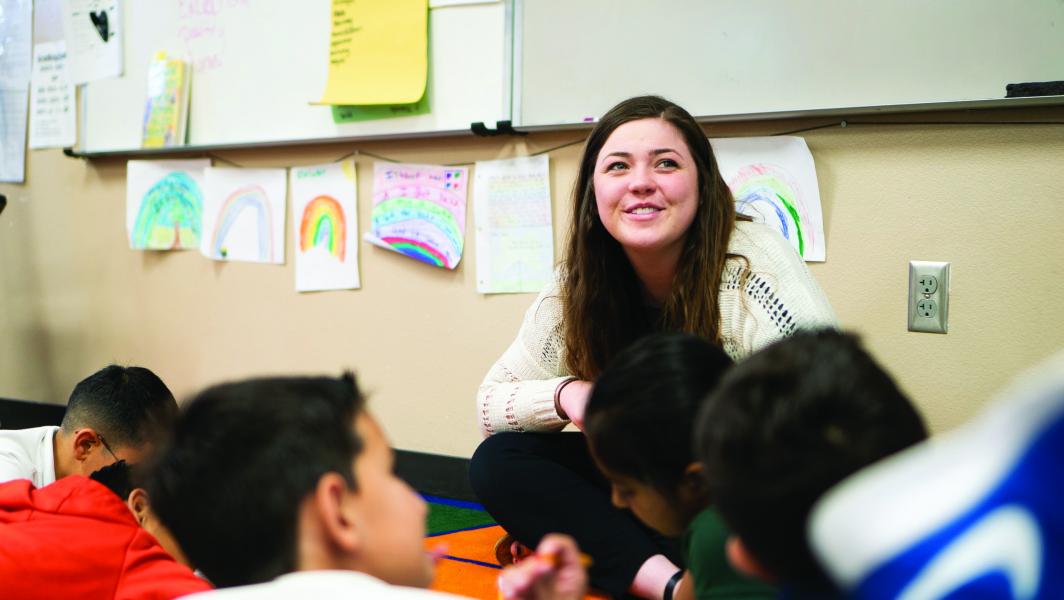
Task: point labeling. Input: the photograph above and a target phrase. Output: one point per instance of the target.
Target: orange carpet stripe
(467, 579)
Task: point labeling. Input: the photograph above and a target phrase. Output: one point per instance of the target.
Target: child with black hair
(783, 427)
(114, 414)
(639, 429)
(285, 487)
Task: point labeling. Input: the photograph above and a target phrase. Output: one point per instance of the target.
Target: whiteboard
(574, 60)
(257, 64)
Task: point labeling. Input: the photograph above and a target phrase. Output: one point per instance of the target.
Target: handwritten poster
(420, 211)
(512, 210)
(52, 111)
(93, 30)
(164, 203)
(773, 180)
(325, 226)
(243, 214)
(378, 52)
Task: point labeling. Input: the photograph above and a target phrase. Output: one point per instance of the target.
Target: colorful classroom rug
(467, 535)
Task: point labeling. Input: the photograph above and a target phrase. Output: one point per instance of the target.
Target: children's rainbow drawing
(419, 211)
(170, 214)
(769, 192)
(323, 225)
(252, 197)
(773, 180)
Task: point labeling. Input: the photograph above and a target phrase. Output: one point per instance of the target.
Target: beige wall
(988, 198)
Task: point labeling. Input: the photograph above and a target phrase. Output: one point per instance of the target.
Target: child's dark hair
(129, 405)
(242, 459)
(117, 477)
(641, 410)
(783, 427)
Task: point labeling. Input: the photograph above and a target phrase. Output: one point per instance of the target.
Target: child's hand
(555, 572)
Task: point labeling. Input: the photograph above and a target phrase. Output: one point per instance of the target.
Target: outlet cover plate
(928, 289)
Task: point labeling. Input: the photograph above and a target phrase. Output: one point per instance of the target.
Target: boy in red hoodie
(76, 538)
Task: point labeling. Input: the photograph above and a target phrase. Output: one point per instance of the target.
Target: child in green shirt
(639, 426)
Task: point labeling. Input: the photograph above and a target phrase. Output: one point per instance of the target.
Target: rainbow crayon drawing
(250, 198)
(164, 204)
(419, 211)
(323, 226)
(773, 180)
(769, 193)
(324, 214)
(244, 215)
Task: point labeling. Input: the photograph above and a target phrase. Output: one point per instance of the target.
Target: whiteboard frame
(511, 105)
(374, 129)
(994, 103)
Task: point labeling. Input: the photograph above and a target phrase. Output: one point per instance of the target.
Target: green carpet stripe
(450, 518)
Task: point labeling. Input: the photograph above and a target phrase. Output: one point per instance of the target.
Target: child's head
(124, 480)
(115, 413)
(639, 425)
(269, 476)
(783, 427)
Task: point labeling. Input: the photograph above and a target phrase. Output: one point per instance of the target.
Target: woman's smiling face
(646, 187)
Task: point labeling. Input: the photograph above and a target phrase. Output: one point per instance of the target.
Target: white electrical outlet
(928, 296)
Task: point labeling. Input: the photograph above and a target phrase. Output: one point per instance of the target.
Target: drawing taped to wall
(773, 180)
(324, 216)
(420, 211)
(164, 203)
(243, 217)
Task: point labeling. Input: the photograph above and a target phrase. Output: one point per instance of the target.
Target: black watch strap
(671, 585)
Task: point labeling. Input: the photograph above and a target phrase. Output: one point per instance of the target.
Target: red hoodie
(76, 539)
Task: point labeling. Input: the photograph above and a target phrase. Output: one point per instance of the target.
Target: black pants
(537, 483)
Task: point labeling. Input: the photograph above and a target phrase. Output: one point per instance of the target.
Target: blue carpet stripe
(455, 503)
(472, 562)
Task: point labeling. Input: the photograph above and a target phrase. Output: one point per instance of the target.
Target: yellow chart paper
(378, 52)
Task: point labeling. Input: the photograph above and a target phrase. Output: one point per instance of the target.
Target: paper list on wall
(420, 211)
(52, 113)
(16, 33)
(378, 52)
(93, 30)
(773, 180)
(514, 236)
(13, 135)
(325, 226)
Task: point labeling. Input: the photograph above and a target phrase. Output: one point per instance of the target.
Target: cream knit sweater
(779, 297)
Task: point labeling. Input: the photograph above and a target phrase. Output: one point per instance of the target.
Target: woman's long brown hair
(603, 299)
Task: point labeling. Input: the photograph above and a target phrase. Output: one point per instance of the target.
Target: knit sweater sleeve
(518, 392)
(767, 293)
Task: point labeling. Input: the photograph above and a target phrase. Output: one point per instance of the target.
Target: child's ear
(332, 498)
(138, 505)
(744, 562)
(85, 439)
